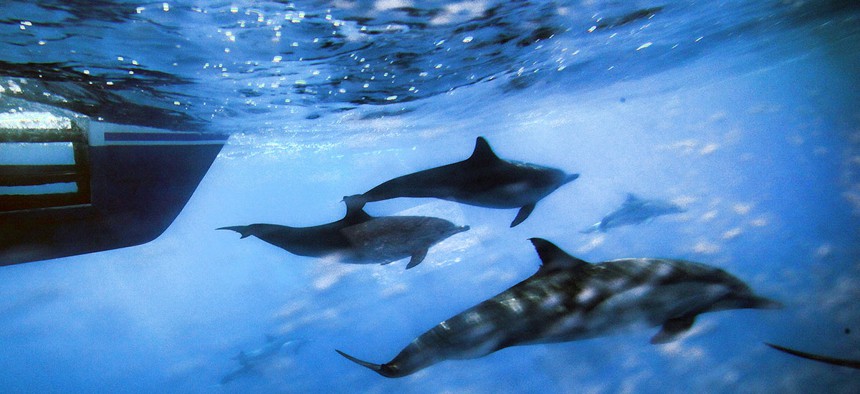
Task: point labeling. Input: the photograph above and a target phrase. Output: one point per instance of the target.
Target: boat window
(43, 168)
(45, 153)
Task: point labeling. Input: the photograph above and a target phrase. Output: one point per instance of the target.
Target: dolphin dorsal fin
(483, 153)
(552, 257)
(355, 209)
(631, 198)
(242, 358)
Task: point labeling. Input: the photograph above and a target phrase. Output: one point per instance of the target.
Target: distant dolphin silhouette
(569, 299)
(358, 238)
(248, 361)
(634, 210)
(483, 180)
(842, 362)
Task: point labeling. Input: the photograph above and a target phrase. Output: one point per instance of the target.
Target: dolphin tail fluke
(373, 367)
(244, 231)
(817, 357)
(523, 214)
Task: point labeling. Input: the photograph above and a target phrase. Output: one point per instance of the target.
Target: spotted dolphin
(251, 360)
(634, 210)
(569, 299)
(358, 238)
(483, 180)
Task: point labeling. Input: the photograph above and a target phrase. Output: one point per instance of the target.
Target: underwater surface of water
(745, 114)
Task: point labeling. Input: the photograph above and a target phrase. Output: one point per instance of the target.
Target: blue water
(745, 113)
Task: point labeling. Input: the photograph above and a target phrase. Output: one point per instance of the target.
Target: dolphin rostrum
(483, 180)
(634, 210)
(358, 238)
(569, 299)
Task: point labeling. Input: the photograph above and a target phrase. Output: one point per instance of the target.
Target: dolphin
(634, 210)
(391, 238)
(842, 362)
(249, 361)
(569, 299)
(483, 180)
(270, 349)
(358, 238)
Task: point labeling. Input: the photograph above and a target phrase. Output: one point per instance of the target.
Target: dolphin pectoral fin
(672, 328)
(524, 213)
(417, 258)
(244, 231)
